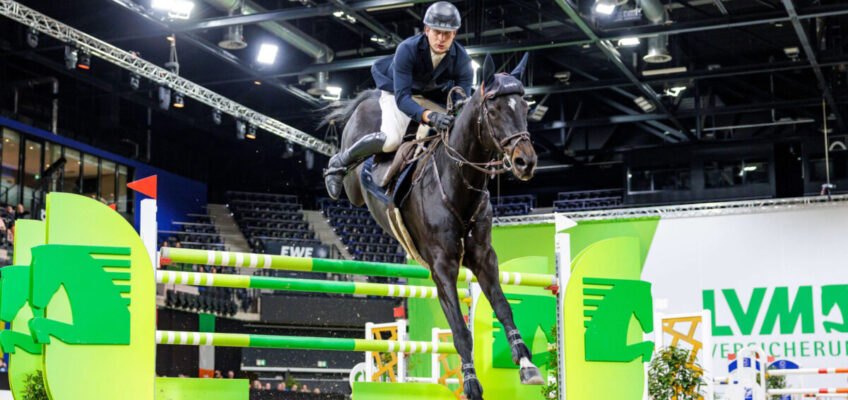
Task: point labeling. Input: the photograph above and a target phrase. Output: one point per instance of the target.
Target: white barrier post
(562, 246)
(435, 370)
(402, 337)
(148, 229)
(369, 356)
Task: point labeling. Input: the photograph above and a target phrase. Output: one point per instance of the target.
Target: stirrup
(334, 171)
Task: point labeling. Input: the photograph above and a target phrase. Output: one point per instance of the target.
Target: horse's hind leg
(444, 275)
(482, 260)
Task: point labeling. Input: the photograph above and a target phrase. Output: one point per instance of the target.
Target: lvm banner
(777, 280)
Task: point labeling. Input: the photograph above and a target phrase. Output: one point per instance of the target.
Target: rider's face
(440, 41)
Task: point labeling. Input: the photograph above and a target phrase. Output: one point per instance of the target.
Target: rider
(414, 81)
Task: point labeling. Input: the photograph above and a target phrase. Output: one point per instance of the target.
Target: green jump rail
(299, 285)
(289, 263)
(300, 342)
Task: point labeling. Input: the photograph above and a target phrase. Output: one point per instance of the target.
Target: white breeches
(394, 121)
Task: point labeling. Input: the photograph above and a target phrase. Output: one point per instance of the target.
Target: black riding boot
(339, 164)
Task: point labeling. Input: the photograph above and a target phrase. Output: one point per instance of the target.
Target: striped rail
(299, 342)
(289, 263)
(806, 371)
(781, 392)
(299, 285)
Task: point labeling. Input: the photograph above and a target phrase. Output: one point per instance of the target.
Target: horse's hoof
(531, 376)
(473, 389)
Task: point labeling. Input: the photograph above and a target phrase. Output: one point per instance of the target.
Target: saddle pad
(401, 184)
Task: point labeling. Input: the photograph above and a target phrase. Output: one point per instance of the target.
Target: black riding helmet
(442, 16)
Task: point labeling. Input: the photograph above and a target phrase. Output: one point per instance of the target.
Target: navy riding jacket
(410, 71)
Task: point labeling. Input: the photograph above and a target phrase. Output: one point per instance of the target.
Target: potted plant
(673, 376)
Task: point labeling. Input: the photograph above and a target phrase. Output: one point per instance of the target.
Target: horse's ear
(518, 72)
(488, 70)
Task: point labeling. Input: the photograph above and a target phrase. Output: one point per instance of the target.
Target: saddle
(388, 175)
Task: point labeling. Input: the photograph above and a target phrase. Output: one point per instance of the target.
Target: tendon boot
(340, 163)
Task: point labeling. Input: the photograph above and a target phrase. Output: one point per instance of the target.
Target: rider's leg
(394, 123)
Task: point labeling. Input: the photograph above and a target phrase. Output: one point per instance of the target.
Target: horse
(447, 212)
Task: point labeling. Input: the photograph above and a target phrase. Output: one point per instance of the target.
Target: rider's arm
(403, 63)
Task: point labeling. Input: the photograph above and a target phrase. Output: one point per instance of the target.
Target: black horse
(447, 214)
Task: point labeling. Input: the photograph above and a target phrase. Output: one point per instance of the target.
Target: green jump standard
(289, 263)
(299, 342)
(299, 285)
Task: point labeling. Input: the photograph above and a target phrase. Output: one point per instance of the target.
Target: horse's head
(504, 118)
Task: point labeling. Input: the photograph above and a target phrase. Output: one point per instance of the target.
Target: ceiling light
(389, 7)
(251, 132)
(604, 8)
(70, 57)
(161, 4)
(344, 16)
(629, 42)
(164, 95)
(179, 102)
(135, 81)
(84, 61)
(216, 116)
(177, 9)
(333, 93)
(32, 38)
(675, 91)
(241, 129)
(233, 38)
(792, 52)
(288, 151)
(644, 104)
(257, 83)
(267, 53)
(750, 168)
(663, 71)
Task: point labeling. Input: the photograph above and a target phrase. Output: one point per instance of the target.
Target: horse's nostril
(519, 162)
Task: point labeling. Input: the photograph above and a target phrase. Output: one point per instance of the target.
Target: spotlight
(164, 98)
(604, 8)
(267, 54)
(251, 132)
(629, 42)
(644, 104)
(288, 152)
(241, 130)
(84, 61)
(70, 57)
(675, 91)
(32, 37)
(333, 93)
(216, 116)
(179, 102)
(177, 9)
(135, 81)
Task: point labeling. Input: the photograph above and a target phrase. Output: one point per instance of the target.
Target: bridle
(490, 168)
(503, 147)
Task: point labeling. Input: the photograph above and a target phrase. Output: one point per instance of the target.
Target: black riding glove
(439, 121)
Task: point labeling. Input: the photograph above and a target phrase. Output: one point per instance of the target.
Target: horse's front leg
(445, 271)
(481, 259)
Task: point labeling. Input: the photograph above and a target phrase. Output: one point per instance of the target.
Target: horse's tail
(340, 111)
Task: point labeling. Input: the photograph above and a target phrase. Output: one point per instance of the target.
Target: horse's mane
(340, 111)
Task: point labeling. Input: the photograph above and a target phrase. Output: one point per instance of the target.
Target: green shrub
(34, 387)
(672, 377)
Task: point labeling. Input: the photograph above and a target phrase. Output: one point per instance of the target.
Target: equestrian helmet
(442, 16)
